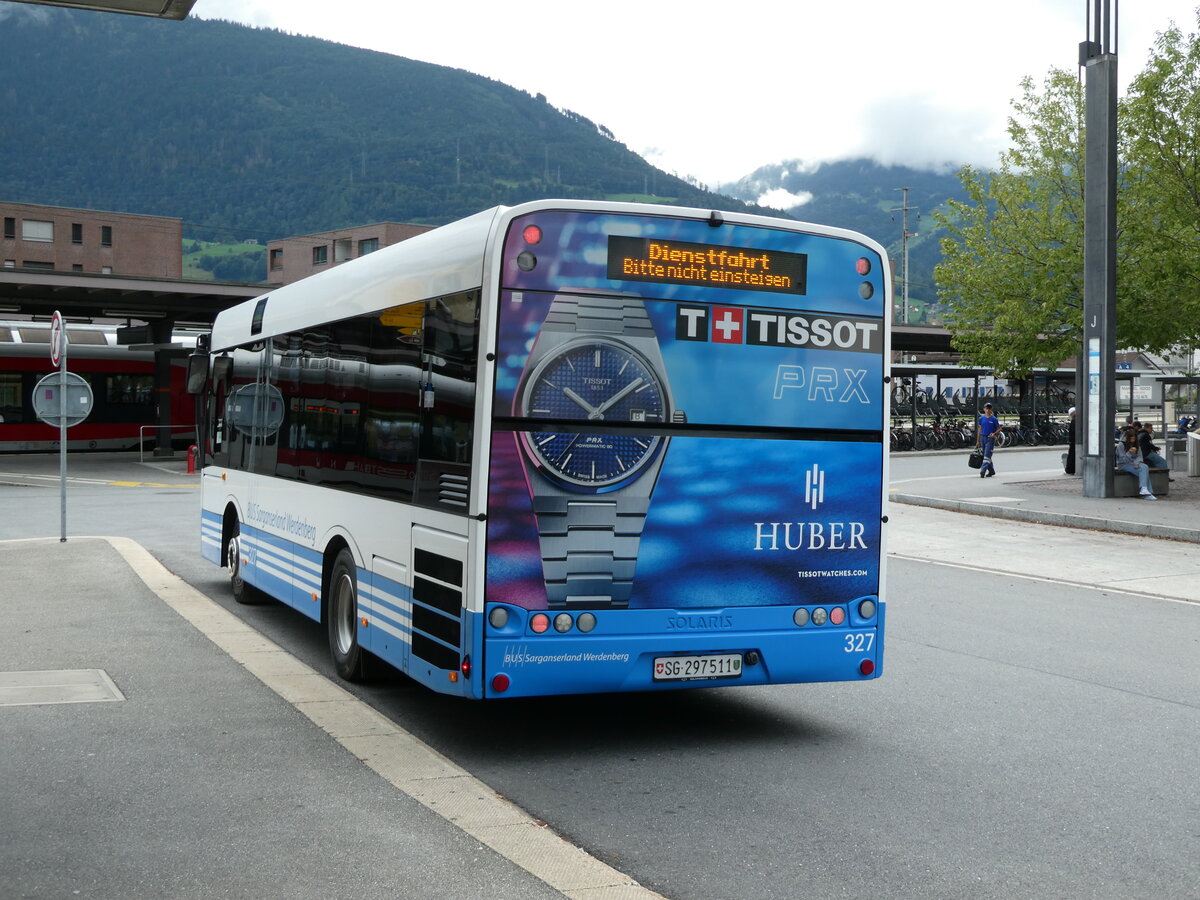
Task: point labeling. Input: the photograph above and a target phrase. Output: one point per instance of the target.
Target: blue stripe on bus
(292, 574)
(388, 603)
(211, 536)
(387, 599)
(271, 568)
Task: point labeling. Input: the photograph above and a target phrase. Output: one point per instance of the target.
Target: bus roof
(450, 259)
(446, 260)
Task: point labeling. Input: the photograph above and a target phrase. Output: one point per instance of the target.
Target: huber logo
(814, 486)
(810, 535)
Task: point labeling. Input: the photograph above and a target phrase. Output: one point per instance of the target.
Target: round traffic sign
(47, 398)
(58, 338)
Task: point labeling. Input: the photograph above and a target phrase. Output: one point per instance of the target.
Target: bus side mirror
(197, 373)
(222, 369)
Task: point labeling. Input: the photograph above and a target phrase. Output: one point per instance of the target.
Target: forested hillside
(864, 196)
(259, 134)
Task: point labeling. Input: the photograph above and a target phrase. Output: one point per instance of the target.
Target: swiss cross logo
(728, 325)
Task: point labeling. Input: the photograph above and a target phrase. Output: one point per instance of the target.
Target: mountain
(865, 196)
(247, 132)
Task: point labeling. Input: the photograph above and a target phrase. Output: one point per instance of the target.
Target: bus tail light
(539, 623)
(867, 609)
(837, 616)
(465, 668)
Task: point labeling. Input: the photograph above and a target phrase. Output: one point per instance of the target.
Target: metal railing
(142, 436)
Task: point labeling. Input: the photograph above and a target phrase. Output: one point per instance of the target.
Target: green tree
(1161, 202)
(1012, 267)
(1012, 264)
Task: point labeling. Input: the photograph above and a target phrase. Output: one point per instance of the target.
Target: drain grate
(57, 686)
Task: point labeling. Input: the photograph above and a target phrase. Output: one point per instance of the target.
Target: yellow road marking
(145, 484)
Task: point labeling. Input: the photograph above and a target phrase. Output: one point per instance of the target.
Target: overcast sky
(717, 90)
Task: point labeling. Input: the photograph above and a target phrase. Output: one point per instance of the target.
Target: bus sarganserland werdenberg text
(566, 447)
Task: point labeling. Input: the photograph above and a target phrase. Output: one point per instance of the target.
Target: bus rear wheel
(342, 619)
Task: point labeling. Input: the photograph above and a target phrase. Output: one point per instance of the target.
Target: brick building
(294, 258)
(90, 241)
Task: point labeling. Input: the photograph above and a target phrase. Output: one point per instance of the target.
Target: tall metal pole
(905, 235)
(1099, 60)
(62, 434)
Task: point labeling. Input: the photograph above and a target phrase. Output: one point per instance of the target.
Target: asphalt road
(1031, 737)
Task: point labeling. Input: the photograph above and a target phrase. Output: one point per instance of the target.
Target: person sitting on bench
(1129, 459)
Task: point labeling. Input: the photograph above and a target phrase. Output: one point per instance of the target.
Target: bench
(1125, 484)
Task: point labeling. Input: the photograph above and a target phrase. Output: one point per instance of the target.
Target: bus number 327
(860, 642)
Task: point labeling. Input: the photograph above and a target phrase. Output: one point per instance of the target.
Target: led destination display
(678, 262)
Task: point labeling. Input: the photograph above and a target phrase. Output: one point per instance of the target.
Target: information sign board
(47, 399)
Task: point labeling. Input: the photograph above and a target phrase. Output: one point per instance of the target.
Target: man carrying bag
(985, 442)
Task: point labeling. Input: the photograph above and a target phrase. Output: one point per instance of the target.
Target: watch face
(596, 381)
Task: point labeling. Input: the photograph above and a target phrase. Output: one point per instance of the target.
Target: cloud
(781, 199)
(919, 131)
(248, 13)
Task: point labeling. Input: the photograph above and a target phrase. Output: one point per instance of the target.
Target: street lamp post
(1098, 57)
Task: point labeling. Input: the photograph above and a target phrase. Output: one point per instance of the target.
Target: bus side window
(391, 419)
(240, 407)
(448, 370)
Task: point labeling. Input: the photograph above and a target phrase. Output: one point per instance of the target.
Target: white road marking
(398, 756)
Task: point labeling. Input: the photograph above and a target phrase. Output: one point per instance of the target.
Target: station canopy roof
(28, 293)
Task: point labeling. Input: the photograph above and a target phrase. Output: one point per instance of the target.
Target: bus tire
(342, 619)
(243, 593)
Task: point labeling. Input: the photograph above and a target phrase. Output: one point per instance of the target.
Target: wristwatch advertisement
(596, 360)
(604, 494)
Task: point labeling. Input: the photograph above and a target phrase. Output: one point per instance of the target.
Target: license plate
(696, 668)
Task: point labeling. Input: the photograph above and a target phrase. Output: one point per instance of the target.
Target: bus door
(440, 626)
(254, 414)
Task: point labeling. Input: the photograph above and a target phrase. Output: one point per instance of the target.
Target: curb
(1041, 517)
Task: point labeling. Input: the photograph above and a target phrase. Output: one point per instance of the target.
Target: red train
(125, 408)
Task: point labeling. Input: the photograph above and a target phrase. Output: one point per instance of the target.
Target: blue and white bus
(566, 447)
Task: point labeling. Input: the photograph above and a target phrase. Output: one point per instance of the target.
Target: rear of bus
(687, 461)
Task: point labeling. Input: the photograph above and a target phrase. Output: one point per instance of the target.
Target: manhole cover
(57, 686)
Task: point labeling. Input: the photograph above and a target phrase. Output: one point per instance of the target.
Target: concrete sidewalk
(1057, 499)
(154, 745)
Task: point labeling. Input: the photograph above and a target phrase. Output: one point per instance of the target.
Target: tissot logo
(772, 328)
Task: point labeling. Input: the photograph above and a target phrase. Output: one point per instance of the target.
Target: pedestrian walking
(985, 440)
